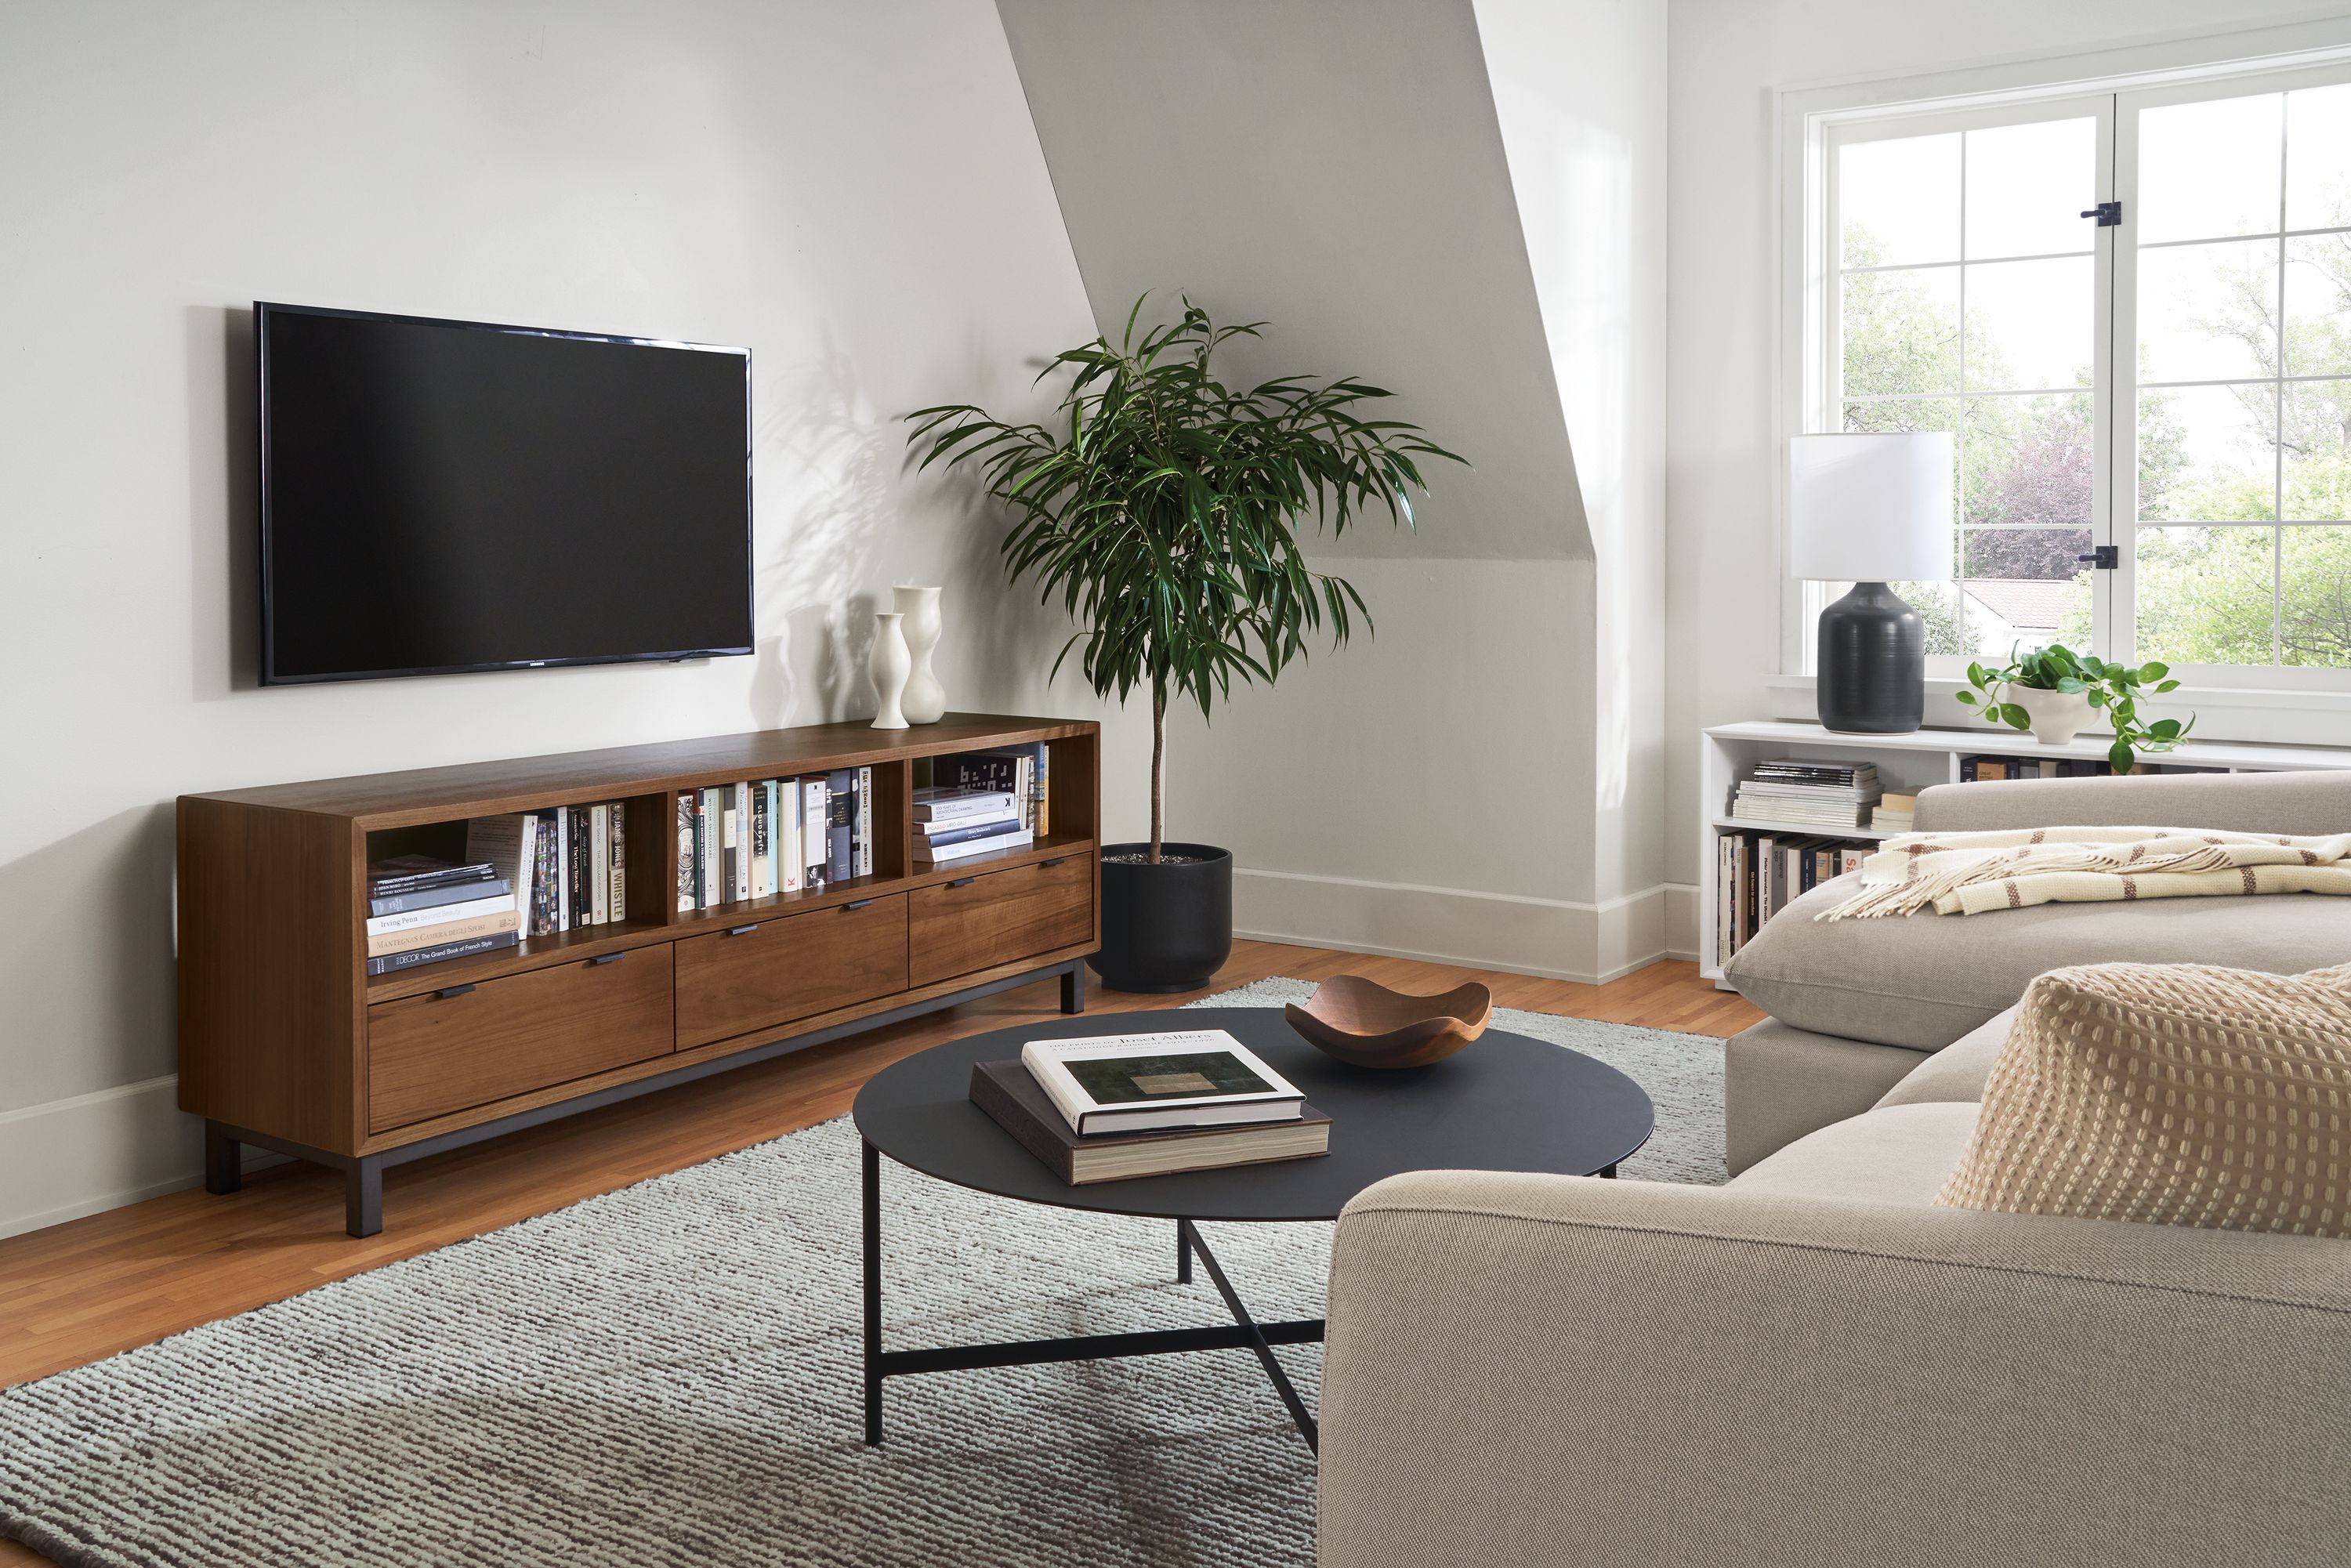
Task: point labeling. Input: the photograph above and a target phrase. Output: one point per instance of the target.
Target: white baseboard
(1681, 921)
(1555, 938)
(68, 1158)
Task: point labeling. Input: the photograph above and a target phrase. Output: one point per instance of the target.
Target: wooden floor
(79, 1291)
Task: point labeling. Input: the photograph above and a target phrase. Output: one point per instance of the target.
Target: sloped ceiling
(1334, 168)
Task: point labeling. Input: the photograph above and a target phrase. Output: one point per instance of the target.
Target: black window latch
(2108, 214)
(2104, 558)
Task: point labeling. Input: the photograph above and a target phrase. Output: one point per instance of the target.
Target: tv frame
(263, 310)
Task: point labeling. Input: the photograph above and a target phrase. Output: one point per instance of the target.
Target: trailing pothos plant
(1162, 507)
(2117, 689)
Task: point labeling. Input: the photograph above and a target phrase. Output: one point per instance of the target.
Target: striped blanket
(1968, 874)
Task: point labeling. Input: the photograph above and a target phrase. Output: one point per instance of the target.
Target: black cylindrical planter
(1166, 928)
(1873, 663)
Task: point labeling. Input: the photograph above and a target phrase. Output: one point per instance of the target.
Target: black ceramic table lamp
(1870, 510)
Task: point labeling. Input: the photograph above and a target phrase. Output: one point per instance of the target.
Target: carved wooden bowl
(1363, 1023)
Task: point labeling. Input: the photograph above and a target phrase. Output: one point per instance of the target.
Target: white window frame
(2284, 702)
(1826, 411)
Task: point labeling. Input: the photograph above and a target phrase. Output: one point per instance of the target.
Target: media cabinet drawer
(440, 1052)
(731, 982)
(997, 916)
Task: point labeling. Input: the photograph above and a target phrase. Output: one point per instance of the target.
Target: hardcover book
(1010, 1096)
(440, 952)
(841, 825)
(1137, 1083)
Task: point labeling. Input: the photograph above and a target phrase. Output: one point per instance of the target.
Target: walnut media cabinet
(286, 1043)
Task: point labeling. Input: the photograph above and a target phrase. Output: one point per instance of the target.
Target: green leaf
(2015, 716)
(2119, 755)
(2071, 684)
(2164, 729)
(2155, 669)
(2168, 686)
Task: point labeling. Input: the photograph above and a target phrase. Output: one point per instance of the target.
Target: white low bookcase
(1907, 764)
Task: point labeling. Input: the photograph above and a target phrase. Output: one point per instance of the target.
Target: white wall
(1359, 174)
(853, 192)
(1727, 57)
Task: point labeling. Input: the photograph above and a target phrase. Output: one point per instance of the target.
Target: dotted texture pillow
(2171, 1092)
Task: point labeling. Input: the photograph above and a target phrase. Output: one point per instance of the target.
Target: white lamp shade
(1871, 508)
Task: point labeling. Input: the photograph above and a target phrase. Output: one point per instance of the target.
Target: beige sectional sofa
(1854, 1003)
(1814, 1365)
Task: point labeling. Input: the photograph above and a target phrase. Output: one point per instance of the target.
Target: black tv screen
(446, 496)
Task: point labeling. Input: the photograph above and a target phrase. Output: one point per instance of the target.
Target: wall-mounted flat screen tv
(447, 496)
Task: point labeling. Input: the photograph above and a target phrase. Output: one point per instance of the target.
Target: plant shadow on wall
(833, 494)
(1161, 509)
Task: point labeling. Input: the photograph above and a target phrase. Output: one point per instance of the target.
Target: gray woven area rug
(669, 1374)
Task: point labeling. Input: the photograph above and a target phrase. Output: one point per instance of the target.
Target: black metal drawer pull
(963, 881)
(606, 958)
(1057, 860)
(857, 903)
(741, 930)
(445, 992)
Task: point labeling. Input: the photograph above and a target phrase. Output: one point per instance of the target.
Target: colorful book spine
(685, 859)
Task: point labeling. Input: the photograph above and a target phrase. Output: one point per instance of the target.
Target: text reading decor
(288, 1043)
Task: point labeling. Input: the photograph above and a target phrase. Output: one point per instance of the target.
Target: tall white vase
(888, 665)
(925, 700)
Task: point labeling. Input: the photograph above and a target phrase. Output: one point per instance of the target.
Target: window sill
(2246, 713)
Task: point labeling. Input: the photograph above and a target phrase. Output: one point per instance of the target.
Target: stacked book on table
(954, 823)
(1809, 793)
(1108, 1107)
(424, 910)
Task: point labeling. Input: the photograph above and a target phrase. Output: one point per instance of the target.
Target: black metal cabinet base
(363, 1174)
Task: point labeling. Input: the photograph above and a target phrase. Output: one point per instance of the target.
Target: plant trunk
(1158, 768)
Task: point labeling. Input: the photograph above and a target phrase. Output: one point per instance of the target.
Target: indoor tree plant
(2052, 691)
(1162, 509)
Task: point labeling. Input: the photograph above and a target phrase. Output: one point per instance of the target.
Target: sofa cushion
(1903, 1154)
(1780, 1083)
(1958, 1071)
(2181, 1094)
(1923, 980)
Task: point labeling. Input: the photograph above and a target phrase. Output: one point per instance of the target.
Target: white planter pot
(2057, 717)
(925, 700)
(888, 665)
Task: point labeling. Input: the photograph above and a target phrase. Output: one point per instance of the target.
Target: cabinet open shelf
(287, 1042)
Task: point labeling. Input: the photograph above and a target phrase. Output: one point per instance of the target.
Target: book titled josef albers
(1132, 1084)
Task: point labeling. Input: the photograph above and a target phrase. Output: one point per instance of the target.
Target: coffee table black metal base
(1244, 1333)
(1507, 1103)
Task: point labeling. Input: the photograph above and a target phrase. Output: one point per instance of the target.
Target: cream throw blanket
(1967, 873)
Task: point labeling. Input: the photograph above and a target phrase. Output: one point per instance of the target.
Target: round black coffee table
(1506, 1104)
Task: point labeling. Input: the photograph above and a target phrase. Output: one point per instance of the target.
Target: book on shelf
(441, 952)
(1020, 771)
(1140, 1082)
(945, 803)
(1012, 1098)
(495, 922)
(929, 853)
(1985, 768)
(500, 902)
(1758, 873)
(839, 825)
(934, 834)
(865, 821)
(407, 874)
(816, 807)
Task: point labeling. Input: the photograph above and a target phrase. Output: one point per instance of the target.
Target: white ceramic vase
(925, 700)
(888, 665)
(2056, 716)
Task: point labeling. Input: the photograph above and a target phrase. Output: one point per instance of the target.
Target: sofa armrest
(2289, 802)
(1563, 1370)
